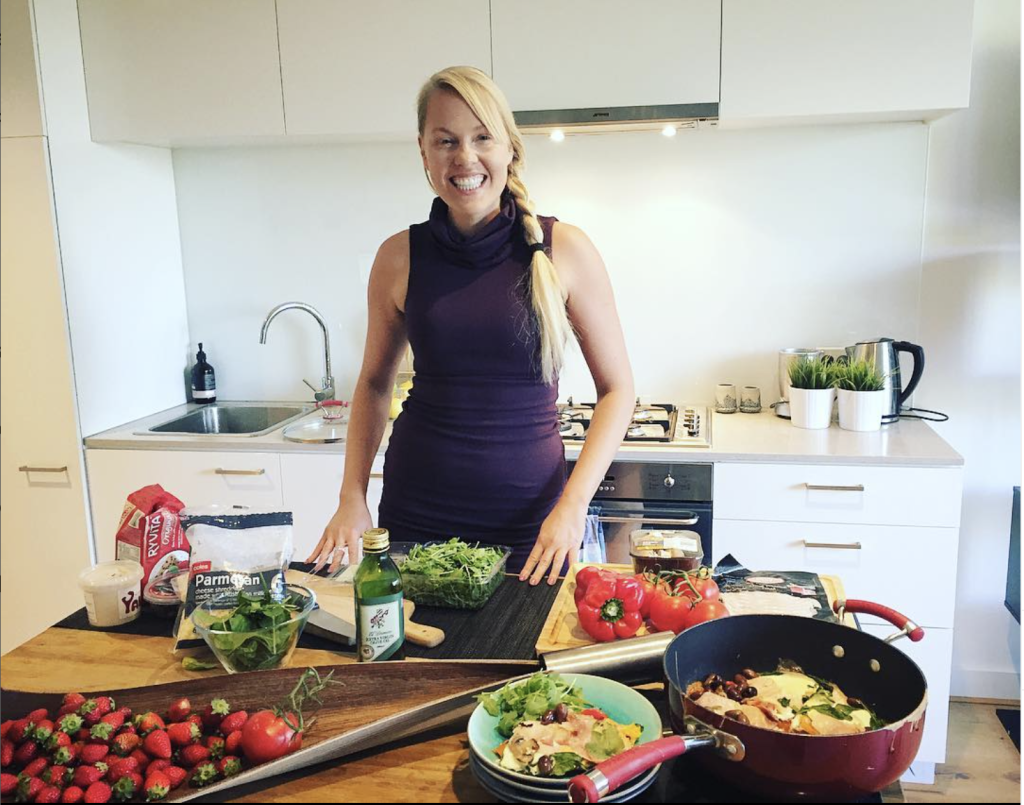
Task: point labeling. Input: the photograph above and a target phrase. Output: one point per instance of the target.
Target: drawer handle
(42, 469)
(841, 546)
(376, 474)
(221, 471)
(819, 488)
(650, 520)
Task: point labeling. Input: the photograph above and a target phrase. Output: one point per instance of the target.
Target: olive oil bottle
(380, 614)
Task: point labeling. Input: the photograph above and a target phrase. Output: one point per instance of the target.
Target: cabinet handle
(841, 546)
(221, 471)
(42, 469)
(819, 488)
(376, 474)
(649, 520)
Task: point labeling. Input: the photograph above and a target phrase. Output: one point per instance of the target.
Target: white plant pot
(811, 408)
(861, 410)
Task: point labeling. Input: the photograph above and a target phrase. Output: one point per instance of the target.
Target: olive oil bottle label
(381, 623)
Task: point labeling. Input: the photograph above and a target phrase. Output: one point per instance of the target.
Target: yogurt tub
(113, 592)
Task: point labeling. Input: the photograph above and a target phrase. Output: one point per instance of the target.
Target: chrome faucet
(327, 391)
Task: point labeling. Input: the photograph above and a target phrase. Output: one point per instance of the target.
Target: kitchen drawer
(934, 656)
(912, 570)
(868, 495)
(196, 478)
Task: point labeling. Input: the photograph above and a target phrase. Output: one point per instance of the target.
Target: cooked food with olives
(784, 700)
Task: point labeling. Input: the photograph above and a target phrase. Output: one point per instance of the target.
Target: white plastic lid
(107, 575)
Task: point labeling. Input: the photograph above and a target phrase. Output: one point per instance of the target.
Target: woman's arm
(591, 307)
(386, 341)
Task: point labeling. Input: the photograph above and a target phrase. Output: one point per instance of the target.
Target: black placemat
(1010, 719)
(506, 628)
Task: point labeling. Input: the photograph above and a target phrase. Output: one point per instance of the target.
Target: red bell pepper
(609, 605)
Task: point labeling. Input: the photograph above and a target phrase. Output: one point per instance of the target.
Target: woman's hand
(342, 534)
(561, 535)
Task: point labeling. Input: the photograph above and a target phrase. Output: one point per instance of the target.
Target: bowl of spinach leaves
(255, 631)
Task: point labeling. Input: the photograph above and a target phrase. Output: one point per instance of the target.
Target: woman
(487, 293)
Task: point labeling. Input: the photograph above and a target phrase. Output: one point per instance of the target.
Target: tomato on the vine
(706, 610)
(670, 613)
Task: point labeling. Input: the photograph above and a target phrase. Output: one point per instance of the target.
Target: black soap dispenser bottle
(204, 383)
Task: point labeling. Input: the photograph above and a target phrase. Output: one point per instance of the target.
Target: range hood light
(669, 131)
(557, 135)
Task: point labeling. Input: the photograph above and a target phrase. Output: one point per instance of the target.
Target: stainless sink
(233, 420)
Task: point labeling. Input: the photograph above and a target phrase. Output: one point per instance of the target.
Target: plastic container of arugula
(450, 574)
(255, 631)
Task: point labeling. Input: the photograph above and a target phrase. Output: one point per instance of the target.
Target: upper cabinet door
(575, 54)
(166, 71)
(836, 60)
(20, 114)
(354, 68)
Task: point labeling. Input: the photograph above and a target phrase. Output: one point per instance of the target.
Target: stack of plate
(621, 703)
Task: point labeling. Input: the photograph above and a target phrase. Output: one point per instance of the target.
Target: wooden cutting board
(338, 601)
(562, 628)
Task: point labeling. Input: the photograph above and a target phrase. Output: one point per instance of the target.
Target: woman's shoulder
(394, 252)
(570, 241)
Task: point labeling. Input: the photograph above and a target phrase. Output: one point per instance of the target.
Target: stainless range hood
(618, 118)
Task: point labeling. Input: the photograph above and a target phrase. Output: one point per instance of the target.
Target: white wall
(722, 246)
(970, 320)
(118, 233)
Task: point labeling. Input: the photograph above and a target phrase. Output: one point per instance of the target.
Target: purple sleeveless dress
(476, 452)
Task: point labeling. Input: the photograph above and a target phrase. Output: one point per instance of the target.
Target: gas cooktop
(652, 424)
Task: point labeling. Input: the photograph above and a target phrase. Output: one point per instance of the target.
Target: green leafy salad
(452, 574)
(259, 632)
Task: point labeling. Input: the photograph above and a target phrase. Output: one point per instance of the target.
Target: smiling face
(467, 164)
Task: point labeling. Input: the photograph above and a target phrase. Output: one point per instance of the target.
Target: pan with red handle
(781, 765)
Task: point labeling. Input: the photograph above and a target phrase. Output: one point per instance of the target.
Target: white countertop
(736, 437)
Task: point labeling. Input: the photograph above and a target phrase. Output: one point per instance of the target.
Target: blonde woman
(488, 294)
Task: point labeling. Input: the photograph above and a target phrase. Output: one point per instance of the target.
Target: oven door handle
(692, 520)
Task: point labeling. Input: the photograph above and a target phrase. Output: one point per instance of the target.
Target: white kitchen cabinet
(160, 72)
(196, 478)
(601, 53)
(311, 487)
(20, 110)
(352, 68)
(792, 61)
(45, 532)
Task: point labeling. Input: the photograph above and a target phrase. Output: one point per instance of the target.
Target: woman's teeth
(468, 184)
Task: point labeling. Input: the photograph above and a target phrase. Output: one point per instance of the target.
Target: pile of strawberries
(92, 751)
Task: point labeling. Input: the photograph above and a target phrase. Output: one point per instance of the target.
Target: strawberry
(193, 754)
(214, 714)
(6, 753)
(20, 730)
(55, 775)
(48, 793)
(233, 743)
(126, 743)
(57, 741)
(44, 729)
(122, 768)
(83, 734)
(29, 788)
(93, 753)
(183, 733)
(42, 714)
(116, 720)
(5, 727)
(66, 755)
(216, 746)
(72, 794)
(229, 766)
(26, 753)
(70, 723)
(98, 793)
(126, 713)
(196, 719)
(85, 776)
(101, 733)
(36, 767)
(234, 721)
(142, 758)
(148, 722)
(179, 710)
(203, 774)
(8, 784)
(157, 765)
(74, 700)
(94, 709)
(65, 710)
(157, 786)
(157, 744)
(124, 789)
(176, 775)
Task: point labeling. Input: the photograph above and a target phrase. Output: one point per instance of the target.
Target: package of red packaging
(150, 533)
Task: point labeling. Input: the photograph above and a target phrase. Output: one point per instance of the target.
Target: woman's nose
(466, 154)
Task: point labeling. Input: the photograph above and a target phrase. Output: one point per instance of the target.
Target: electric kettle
(884, 355)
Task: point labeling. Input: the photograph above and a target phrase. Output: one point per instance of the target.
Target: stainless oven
(642, 494)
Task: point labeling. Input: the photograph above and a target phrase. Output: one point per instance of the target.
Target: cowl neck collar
(488, 247)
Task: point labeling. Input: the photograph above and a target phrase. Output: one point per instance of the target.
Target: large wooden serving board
(562, 628)
(371, 705)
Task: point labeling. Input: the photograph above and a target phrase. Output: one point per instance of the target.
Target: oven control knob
(669, 481)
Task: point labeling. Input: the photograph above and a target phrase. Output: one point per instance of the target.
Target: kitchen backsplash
(722, 246)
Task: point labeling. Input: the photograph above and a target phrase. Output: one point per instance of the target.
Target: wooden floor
(982, 764)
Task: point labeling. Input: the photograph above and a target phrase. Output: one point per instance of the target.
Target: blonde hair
(547, 296)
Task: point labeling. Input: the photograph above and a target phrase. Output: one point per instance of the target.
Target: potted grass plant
(812, 392)
(862, 396)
